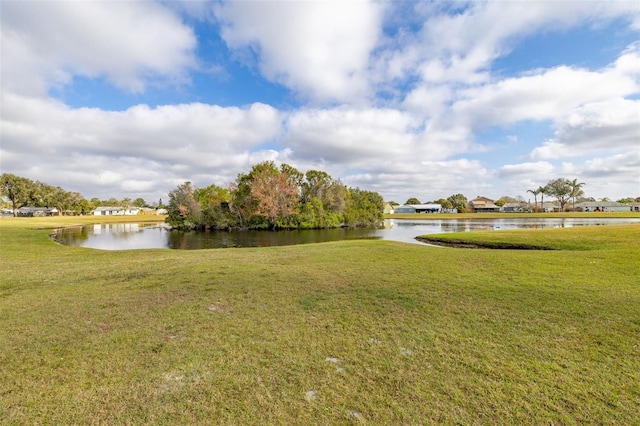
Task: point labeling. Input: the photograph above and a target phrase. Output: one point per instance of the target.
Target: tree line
(270, 197)
(563, 190)
(24, 192)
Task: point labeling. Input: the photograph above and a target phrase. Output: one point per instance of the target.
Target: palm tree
(535, 193)
(543, 190)
(576, 190)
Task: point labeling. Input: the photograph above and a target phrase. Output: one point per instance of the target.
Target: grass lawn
(372, 332)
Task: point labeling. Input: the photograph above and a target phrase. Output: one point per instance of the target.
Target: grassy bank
(372, 332)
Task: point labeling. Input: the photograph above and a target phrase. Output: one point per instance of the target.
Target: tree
(214, 202)
(628, 200)
(446, 204)
(459, 202)
(544, 190)
(266, 196)
(276, 194)
(561, 189)
(18, 190)
(365, 208)
(139, 202)
(184, 212)
(413, 200)
(535, 193)
(576, 190)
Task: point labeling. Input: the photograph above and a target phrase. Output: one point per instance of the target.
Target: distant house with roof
(419, 208)
(515, 208)
(388, 208)
(634, 207)
(602, 206)
(116, 211)
(549, 207)
(482, 205)
(37, 211)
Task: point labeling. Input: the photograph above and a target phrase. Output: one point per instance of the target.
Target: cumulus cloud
(109, 147)
(128, 43)
(546, 94)
(460, 46)
(540, 168)
(319, 49)
(594, 127)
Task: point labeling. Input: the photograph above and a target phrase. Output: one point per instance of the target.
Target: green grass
(350, 332)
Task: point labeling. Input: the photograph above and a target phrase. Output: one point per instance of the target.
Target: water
(129, 236)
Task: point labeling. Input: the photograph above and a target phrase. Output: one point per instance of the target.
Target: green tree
(535, 193)
(561, 189)
(459, 202)
(413, 200)
(446, 204)
(544, 190)
(184, 212)
(365, 208)
(18, 190)
(139, 202)
(214, 202)
(576, 190)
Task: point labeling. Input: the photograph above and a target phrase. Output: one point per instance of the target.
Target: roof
(107, 208)
(37, 209)
(601, 204)
(424, 206)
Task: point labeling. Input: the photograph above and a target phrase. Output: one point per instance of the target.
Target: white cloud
(459, 47)
(346, 135)
(515, 171)
(319, 49)
(134, 147)
(544, 95)
(128, 43)
(593, 128)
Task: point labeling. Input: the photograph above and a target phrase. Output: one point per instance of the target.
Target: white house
(116, 211)
(419, 208)
(602, 206)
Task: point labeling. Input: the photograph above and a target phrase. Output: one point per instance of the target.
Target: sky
(424, 99)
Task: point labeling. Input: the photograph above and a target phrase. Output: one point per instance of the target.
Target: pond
(129, 236)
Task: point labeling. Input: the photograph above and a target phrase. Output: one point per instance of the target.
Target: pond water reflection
(129, 236)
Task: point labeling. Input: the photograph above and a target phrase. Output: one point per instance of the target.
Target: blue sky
(410, 99)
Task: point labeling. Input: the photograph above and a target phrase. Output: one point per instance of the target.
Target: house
(602, 206)
(116, 211)
(548, 207)
(388, 209)
(419, 208)
(37, 211)
(482, 205)
(515, 208)
(147, 211)
(634, 207)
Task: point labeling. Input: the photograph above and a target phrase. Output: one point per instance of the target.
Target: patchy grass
(575, 238)
(375, 332)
